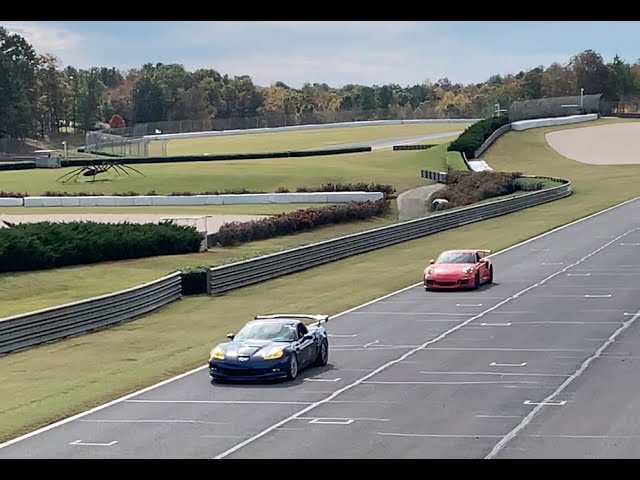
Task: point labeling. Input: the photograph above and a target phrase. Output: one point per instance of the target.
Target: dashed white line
(88, 444)
(494, 364)
(322, 379)
(556, 404)
(514, 374)
(507, 438)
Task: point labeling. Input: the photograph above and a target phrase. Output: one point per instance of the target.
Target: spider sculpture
(96, 168)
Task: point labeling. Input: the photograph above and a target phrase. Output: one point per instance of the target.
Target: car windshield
(273, 331)
(456, 257)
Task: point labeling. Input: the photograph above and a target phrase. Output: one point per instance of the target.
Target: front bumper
(250, 370)
(447, 283)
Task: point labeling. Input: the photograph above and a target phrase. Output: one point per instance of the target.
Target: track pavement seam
(414, 350)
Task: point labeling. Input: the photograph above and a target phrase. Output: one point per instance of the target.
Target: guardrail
(34, 328)
(492, 138)
(413, 147)
(440, 177)
(229, 277)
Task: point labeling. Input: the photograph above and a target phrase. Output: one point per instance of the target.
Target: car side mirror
(432, 261)
(230, 336)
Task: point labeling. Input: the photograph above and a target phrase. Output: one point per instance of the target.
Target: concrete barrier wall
(551, 122)
(250, 131)
(11, 202)
(158, 200)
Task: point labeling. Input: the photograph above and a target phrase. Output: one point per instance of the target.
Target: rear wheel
(323, 354)
(292, 371)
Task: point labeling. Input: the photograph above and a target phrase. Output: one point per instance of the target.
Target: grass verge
(296, 139)
(184, 332)
(400, 169)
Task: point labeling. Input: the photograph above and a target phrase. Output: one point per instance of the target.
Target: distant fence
(9, 146)
(241, 274)
(30, 329)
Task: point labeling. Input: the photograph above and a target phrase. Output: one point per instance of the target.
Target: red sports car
(459, 269)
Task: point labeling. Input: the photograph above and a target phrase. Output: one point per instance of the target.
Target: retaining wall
(178, 200)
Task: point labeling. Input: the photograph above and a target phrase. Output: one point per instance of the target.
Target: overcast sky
(336, 53)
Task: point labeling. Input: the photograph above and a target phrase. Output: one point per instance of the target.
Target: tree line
(38, 97)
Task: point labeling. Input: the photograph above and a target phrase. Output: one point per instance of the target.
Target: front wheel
(476, 283)
(292, 371)
(490, 280)
(323, 354)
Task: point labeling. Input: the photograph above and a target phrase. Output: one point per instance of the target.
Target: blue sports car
(271, 346)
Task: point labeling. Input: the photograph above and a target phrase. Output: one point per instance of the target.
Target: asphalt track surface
(541, 364)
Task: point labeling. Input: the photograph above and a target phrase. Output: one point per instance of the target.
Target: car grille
(242, 372)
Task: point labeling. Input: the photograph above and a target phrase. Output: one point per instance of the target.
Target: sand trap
(211, 223)
(615, 144)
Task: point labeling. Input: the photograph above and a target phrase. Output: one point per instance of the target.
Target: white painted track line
(195, 370)
(417, 349)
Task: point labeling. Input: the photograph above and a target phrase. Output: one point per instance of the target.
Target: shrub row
(475, 135)
(26, 165)
(299, 220)
(387, 190)
(228, 156)
(465, 188)
(45, 245)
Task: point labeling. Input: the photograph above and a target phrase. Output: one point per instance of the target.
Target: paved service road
(525, 367)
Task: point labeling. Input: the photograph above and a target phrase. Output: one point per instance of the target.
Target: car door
(482, 265)
(306, 346)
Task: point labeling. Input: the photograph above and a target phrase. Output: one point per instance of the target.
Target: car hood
(442, 268)
(250, 347)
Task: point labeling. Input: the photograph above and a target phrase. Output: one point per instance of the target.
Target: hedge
(475, 135)
(387, 190)
(26, 165)
(211, 158)
(464, 188)
(46, 245)
(194, 280)
(297, 221)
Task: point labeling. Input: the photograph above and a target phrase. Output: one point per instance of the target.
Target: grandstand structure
(553, 107)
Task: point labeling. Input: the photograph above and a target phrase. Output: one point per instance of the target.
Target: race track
(383, 143)
(424, 375)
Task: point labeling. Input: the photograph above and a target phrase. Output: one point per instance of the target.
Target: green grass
(184, 332)
(28, 291)
(401, 169)
(454, 161)
(295, 140)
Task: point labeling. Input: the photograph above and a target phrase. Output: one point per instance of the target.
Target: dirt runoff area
(614, 144)
(210, 223)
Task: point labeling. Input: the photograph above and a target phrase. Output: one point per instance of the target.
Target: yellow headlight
(273, 354)
(216, 354)
(468, 270)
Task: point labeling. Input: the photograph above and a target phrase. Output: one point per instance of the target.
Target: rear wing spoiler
(484, 251)
(317, 318)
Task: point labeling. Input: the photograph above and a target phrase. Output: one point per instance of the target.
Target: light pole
(499, 110)
(582, 100)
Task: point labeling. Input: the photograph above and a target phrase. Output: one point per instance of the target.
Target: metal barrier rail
(248, 272)
(34, 328)
(413, 147)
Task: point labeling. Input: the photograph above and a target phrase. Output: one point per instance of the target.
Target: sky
(336, 53)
